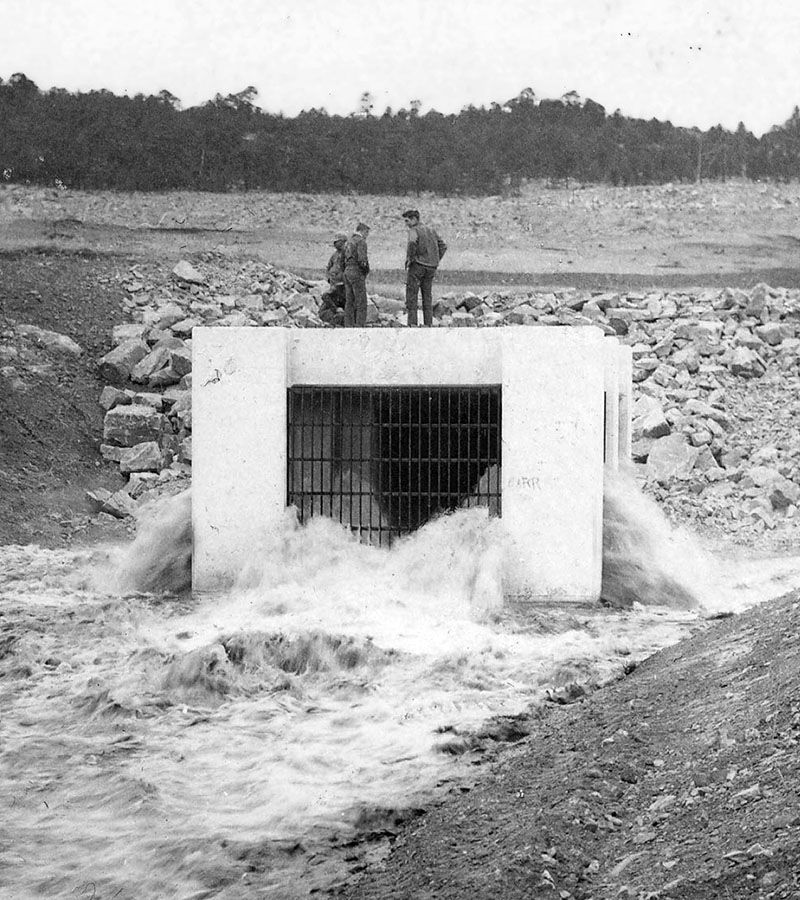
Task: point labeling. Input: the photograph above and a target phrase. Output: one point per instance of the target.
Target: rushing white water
(154, 746)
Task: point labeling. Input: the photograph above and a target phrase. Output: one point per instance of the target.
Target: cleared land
(678, 782)
(672, 234)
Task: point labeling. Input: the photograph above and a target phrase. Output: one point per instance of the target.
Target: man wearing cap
(424, 252)
(356, 269)
(331, 310)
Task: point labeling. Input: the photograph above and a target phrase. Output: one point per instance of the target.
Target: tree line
(98, 140)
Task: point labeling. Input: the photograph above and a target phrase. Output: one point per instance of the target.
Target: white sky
(689, 61)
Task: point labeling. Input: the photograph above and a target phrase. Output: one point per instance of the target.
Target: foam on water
(156, 746)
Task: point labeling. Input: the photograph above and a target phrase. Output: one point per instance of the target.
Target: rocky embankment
(715, 379)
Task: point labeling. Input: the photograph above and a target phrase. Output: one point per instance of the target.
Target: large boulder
(52, 340)
(144, 457)
(117, 365)
(757, 300)
(168, 315)
(186, 326)
(185, 271)
(277, 316)
(127, 426)
(130, 331)
(746, 363)
(671, 457)
(165, 377)
(686, 358)
(651, 423)
(185, 452)
(180, 361)
(156, 359)
(389, 304)
(119, 504)
(697, 407)
(111, 397)
(774, 333)
(182, 409)
(462, 319)
(783, 493)
(139, 483)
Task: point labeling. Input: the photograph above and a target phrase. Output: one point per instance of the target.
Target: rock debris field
(715, 378)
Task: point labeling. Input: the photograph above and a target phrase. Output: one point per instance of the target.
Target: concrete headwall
(554, 398)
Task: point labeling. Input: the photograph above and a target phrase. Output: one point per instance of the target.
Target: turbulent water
(152, 746)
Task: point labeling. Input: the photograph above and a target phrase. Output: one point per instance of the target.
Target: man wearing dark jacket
(356, 269)
(332, 309)
(424, 252)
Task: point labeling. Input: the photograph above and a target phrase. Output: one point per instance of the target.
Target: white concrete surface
(553, 381)
(238, 446)
(386, 356)
(611, 383)
(552, 471)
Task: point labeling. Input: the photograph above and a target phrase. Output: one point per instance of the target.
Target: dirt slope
(52, 425)
(681, 782)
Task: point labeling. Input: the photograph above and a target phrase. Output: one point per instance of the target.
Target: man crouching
(331, 310)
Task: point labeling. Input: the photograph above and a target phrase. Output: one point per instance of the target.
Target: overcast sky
(689, 61)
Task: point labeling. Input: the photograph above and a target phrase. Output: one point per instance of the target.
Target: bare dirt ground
(677, 783)
(680, 781)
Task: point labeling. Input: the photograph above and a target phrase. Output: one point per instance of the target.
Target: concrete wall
(552, 472)
(553, 382)
(239, 426)
(386, 356)
(625, 379)
(611, 386)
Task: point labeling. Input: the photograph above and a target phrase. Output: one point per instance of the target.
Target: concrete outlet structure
(384, 428)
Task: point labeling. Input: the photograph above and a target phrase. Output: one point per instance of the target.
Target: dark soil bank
(51, 430)
(681, 782)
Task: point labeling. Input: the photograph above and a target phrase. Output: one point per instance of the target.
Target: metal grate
(384, 461)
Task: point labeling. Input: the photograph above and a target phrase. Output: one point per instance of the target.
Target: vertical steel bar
(371, 467)
(393, 454)
(439, 449)
(334, 467)
(301, 504)
(499, 444)
(319, 419)
(468, 459)
(332, 454)
(429, 426)
(449, 447)
(409, 482)
(289, 454)
(348, 492)
(479, 449)
(341, 455)
(381, 468)
(458, 449)
(315, 407)
(360, 460)
(418, 480)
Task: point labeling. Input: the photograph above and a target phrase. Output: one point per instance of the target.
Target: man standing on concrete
(356, 269)
(332, 309)
(424, 252)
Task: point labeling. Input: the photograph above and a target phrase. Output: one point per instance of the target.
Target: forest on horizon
(101, 141)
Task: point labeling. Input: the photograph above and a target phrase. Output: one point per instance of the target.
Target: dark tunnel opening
(436, 445)
(384, 461)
